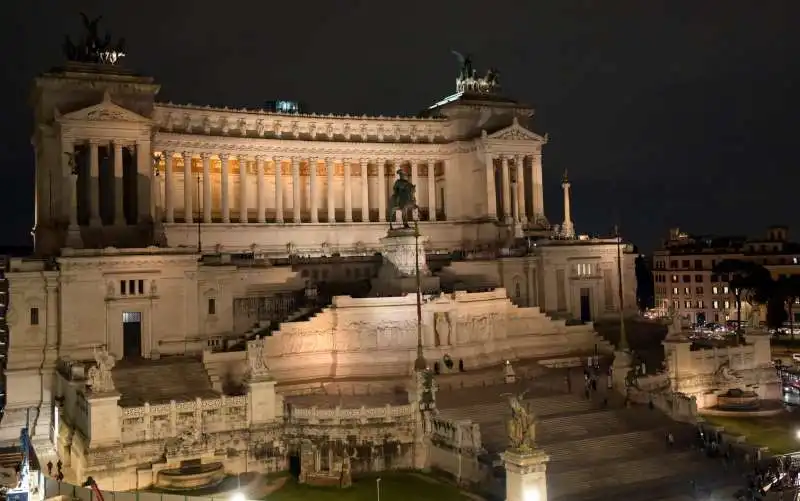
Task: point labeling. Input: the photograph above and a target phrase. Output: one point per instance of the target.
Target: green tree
(789, 292)
(747, 280)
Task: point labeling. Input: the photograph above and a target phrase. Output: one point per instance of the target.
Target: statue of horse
(403, 198)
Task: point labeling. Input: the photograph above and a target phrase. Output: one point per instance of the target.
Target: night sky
(665, 112)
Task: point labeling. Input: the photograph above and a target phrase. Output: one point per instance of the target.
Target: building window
(674, 279)
(698, 264)
(685, 264)
(212, 306)
(727, 304)
(141, 287)
(122, 289)
(701, 304)
(687, 291)
(674, 290)
(687, 304)
(715, 304)
(687, 279)
(34, 316)
(673, 264)
(725, 290)
(715, 290)
(698, 290)
(698, 278)
(676, 304)
(583, 269)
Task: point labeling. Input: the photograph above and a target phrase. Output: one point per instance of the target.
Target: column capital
(224, 156)
(330, 160)
(95, 142)
(245, 158)
(364, 161)
(187, 154)
(313, 159)
(205, 155)
(260, 157)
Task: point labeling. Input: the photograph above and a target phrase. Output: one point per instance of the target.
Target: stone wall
(454, 449)
(378, 336)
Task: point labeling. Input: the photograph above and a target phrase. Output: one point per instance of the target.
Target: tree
(788, 290)
(746, 279)
(645, 285)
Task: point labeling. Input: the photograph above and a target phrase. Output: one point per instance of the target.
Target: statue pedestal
(398, 274)
(262, 400)
(619, 370)
(526, 475)
(104, 419)
(74, 239)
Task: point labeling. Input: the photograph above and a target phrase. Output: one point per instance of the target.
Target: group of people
(59, 470)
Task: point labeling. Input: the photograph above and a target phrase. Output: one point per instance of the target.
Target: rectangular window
(674, 279)
(583, 269)
(725, 290)
(687, 304)
(701, 304)
(141, 287)
(715, 304)
(676, 304)
(674, 289)
(687, 290)
(698, 264)
(698, 290)
(687, 279)
(727, 304)
(715, 290)
(685, 264)
(673, 264)
(131, 286)
(122, 288)
(698, 278)
(34, 316)
(212, 306)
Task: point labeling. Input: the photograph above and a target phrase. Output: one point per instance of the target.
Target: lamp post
(623, 338)
(378, 486)
(419, 364)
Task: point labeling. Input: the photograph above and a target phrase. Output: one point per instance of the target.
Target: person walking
(49, 468)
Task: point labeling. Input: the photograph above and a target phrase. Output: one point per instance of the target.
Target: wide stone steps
(578, 453)
(577, 426)
(615, 473)
(160, 381)
(492, 411)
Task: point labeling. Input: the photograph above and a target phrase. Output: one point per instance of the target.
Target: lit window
(727, 304)
(715, 304)
(701, 304)
(725, 290)
(686, 291)
(674, 290)
(715, 289)
(794, 260)
(674, 279)
(676, 304)
(687, 304)
(583, 269)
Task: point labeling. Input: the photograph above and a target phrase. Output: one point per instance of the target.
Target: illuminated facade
(684, 277)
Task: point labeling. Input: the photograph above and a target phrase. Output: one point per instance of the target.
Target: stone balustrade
(152, 422)
(362, 415)
(461, 435)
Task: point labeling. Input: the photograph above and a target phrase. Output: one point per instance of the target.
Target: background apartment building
(685, 281)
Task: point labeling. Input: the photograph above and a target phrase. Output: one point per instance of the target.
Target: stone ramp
(160, 381)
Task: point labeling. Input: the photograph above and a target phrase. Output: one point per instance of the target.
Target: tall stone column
(188, 210)
(382, 190)
(94, 184)
(364, 190)
(329, 166)
(260, 192)
(538, 187)
(144, 175)
(296, 200)
(491, 193)
(506, 190)
(348, 192)
(68, 166)
(169, 203)
(278, 190)
(243, 217)
(74, 240)
(432, 190)
(225, 159)
(119, 186)
(207, 188)
(521, 211)
(567, 228)
(313, 189)
(415, 174)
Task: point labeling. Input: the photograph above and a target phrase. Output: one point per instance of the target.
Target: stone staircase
(160, 381)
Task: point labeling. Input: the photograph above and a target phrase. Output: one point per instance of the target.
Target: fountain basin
(190, 477)
(738, 400)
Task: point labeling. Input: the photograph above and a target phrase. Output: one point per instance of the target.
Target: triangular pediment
(105, 111)
(516, 132)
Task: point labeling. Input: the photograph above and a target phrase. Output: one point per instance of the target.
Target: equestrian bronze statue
(403, 199)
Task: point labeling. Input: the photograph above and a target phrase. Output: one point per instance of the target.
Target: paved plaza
(597, 452)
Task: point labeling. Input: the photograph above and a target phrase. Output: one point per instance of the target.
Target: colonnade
(512, 193)
(298, 170)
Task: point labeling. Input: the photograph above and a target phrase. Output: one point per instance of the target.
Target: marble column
(491, 193)
(296, 201)
(381, 190)
(243, 217)
(260, 192)
(188, 210)
(329, 166)
(506, 190)
(225, 160)
(431, 190)
(94, 184)
(364, 190)
(538, 187)
(144, 179)
(312, 190)
(68, 166)
(519, 162)
(348, 192)
(517, 190)
(169, 203)
(119, 186)
(278, 190)
(74, 239)
(206, 187)
(415, 174)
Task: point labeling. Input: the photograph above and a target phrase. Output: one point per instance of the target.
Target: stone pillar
(331, 205)
(104, 419)
(348, 192)
(415, 174)
(521, 211)
(381, 190)
(169, 204)
(537, 187)
(187, 188)
(144, 177)
(260, 194)
(526, 475)
(206, 187)
(491, 194)
(225, 160)
(312, 190)
(262, 400)
(506, 190)
(243, 216)
(432, 190)
(567, 228)
(68, 166)
(364, 190)
(51, 341)
(278, 190)
(94, 184)
(119, 186)
(296, 194)
(74, 240)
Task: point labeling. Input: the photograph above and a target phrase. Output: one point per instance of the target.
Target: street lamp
(419, 364)
(378, 486)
